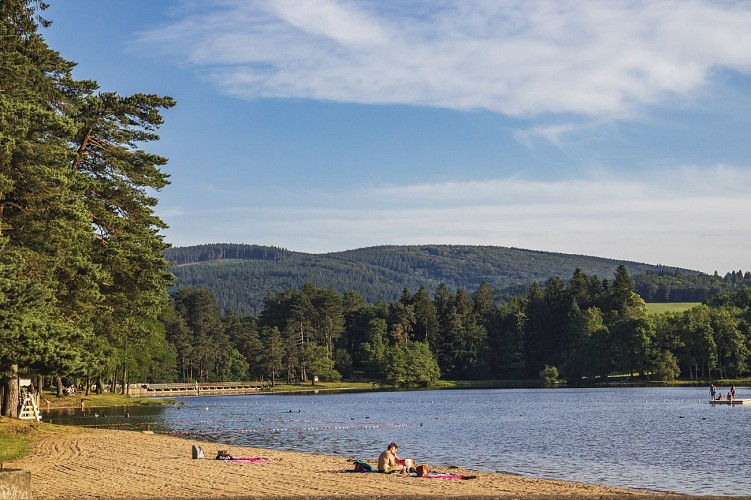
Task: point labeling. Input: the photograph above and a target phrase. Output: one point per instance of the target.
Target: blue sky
(618, 129)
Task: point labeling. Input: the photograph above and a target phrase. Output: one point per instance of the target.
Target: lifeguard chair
(29, 408)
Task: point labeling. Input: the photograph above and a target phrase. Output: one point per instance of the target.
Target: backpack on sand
(363, 466)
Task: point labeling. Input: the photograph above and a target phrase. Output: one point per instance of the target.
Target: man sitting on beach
(389, 462)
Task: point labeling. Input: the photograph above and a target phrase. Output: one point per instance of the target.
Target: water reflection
(655, 438)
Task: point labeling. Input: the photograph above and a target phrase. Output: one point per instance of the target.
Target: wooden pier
(197, 389)
(730, 401)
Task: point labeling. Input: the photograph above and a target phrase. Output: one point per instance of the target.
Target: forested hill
(240, 276)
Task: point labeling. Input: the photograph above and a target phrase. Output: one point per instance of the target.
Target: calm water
(667, 439)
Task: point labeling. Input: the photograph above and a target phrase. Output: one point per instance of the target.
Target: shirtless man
(387, 461)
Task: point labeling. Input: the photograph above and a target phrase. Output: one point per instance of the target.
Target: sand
(109, 464)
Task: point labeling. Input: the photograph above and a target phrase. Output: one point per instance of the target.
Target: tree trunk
(100, 384)
(59, 385)
(11, 393)
(82, 148)
(88, 386)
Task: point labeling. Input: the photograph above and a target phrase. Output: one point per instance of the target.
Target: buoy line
(135, 422)
(286, 429)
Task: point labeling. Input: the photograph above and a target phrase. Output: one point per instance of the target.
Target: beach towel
(449, 476)
(249, 459)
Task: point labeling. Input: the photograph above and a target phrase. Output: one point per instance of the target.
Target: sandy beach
(109, 464)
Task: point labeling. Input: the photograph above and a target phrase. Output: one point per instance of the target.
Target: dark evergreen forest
(582, 329)
(240, 276)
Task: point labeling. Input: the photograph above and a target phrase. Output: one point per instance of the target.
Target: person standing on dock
(712, 392)
(732, 391)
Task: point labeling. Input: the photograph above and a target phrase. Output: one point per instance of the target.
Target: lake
(668, 439)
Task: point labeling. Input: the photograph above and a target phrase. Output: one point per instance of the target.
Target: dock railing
(197, 388)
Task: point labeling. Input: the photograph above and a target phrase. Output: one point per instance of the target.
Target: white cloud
(695, 217)
(513, 57)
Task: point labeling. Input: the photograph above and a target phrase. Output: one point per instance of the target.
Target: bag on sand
(422, 471)
(197, 451)
(363, 466)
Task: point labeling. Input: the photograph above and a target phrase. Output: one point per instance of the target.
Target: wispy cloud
(553, 134)
(513, 57)
(656, 218)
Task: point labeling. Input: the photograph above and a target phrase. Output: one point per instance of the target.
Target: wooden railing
(196, 389)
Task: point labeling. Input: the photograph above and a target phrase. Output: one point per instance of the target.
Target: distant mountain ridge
(241, 275)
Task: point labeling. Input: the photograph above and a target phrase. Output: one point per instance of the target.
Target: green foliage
(374, 347)
(319, 364)
(274, 352)
(666, 367)
(198, 333)
(155, 361)
(549, 376)
(233, 367)
(410, 364)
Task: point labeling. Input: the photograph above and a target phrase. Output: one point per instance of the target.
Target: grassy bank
(98, 400)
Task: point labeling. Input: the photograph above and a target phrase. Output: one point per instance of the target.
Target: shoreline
(114, 464)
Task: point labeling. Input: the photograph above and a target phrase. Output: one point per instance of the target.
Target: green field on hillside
(663, 307)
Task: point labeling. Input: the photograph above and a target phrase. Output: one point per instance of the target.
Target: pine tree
(75, 218)
(43, 225)
(113, 175)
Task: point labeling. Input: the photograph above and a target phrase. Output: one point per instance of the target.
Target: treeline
(82, 275)
(240, 276)
(241, 285)
(675, 286)
(585, 327)
(224, 251)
